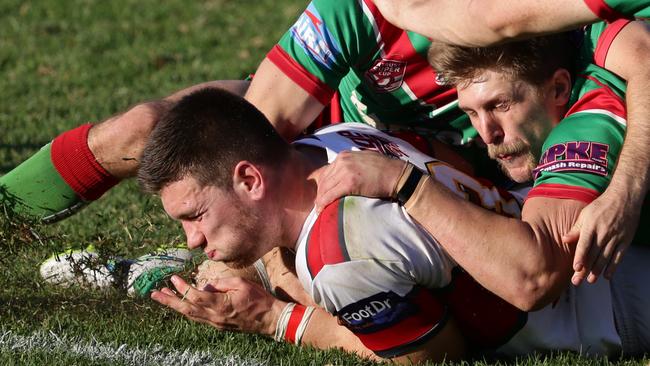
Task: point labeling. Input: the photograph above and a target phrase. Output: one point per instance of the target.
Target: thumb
(573, 235)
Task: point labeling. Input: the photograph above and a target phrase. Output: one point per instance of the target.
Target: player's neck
(299, 187)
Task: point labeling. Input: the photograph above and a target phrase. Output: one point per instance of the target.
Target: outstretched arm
(483, 23)
(239, 305)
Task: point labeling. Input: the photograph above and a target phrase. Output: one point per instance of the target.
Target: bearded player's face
(512, 117)
(215, 220)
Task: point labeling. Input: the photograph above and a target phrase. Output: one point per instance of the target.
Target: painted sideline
(97, 351)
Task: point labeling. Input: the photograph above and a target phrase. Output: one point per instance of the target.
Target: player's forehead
(490, 87)
(181, 197)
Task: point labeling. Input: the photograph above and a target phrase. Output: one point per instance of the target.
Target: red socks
(77, 165)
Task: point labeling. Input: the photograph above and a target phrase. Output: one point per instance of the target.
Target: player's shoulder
(342, 231)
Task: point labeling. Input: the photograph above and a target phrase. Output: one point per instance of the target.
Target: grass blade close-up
(65, 63)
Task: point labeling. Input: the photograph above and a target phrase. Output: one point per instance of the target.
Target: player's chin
(519, 169)
(240, 263)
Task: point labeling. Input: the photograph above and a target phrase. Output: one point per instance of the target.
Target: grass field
(67, 62)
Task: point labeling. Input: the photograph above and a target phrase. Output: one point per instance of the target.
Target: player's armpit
(549, 218)
(286, 104)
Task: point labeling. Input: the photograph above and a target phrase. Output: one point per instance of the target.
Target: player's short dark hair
(205, 135)
(533, 60)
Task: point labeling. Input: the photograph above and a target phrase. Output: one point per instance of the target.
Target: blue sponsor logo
(314, 38)
(374, 313)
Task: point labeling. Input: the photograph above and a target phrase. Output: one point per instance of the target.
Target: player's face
(215, 220)
(513, 119)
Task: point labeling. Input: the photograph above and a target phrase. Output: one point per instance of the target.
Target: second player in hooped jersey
(579, 156)
(380, 71)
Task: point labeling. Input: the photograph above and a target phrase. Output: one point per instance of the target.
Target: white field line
(97, 351)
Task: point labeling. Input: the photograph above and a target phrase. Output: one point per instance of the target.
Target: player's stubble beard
(250, 236)
(520, 150)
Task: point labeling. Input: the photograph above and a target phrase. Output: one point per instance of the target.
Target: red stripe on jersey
(336, 113)
(601, 98)
(418, 141)
(311, 84)
(562, 191)
(430, 318)
(605, 40)
(603, 11)
(325, 244)
(294, 321)
(420, 76)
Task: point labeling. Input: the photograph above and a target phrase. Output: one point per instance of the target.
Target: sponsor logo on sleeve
(311, 33)
(386, 75)
(365, 141)
(375, 313)
(575, 156)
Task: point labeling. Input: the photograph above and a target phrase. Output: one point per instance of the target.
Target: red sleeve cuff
(296, 72)
(603, 11)
(606, 39)
(562, 191)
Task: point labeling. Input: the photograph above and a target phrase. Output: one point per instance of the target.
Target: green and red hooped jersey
(580, 154)
(612, 10)
(381, 72)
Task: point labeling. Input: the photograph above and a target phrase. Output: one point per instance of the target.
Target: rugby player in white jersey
(378, 283)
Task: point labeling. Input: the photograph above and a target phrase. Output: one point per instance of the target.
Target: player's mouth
(211, 253)
(509, 157)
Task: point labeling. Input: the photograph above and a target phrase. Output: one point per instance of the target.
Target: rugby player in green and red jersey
(565, 136)
(604, 224)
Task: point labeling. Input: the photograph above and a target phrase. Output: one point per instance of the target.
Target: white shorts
(631, 299)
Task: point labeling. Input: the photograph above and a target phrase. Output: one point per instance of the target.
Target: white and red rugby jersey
(391, 283)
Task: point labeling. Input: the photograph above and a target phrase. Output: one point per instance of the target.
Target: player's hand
(357, 173)
(603, 232)
(229, 303)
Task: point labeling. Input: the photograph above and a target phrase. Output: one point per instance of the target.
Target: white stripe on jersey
(380, 42)
(615, 117)
(375, 27)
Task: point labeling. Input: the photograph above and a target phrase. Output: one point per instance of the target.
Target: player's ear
(248, 181)
(561, 83)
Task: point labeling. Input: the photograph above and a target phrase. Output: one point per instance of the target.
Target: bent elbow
(535, 292)
(496, 23)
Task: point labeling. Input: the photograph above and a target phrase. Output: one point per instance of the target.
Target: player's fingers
(578, 277)
(229, 284)
(572, 236)
(333, 189)
(183, 306)
(171, 301)
(582, 242)
(168, 291)
(604, 258)
(592, 243)
(185, 290)
(616, 259)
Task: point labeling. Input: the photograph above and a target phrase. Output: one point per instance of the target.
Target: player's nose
(489, 128)
(195, 237)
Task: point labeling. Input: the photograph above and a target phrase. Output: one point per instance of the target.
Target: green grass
(65, 62)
